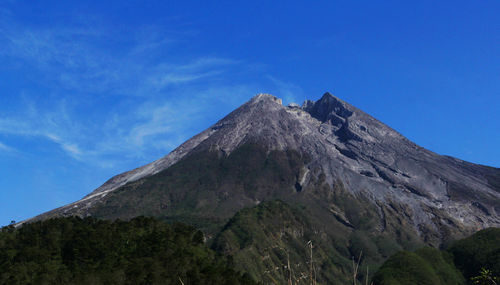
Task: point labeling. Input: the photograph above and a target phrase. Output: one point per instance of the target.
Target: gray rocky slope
(345, 144)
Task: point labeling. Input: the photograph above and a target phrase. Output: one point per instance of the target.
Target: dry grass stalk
(355, 268)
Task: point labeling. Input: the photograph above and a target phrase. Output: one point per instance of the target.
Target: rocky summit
(350, 181)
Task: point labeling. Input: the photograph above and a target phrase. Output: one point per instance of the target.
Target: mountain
(359, 184)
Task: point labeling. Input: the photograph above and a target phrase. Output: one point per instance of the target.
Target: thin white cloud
(5, 148)
(163, 124)
(203, 62)
(146, 130)
(164, 80)
(80, 59)
(71, 148)
(150, 45)
(73, 57)
(159, 103)
(167, 74)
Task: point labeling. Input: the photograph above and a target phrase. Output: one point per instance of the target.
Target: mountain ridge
(345, 144)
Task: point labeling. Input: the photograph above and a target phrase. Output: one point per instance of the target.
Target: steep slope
(336, 144)
(272, 241)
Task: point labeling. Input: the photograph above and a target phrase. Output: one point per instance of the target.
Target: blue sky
(91, 89)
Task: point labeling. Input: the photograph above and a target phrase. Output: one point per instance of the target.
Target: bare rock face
(371, 160)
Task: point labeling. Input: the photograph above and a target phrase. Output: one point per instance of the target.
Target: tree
(485, 277)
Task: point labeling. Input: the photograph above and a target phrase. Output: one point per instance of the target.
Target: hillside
(266, 239)
(473, 260)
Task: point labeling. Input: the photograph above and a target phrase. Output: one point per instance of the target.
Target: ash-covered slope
(317, 147)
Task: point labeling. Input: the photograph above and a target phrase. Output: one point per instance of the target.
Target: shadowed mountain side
(207, 188)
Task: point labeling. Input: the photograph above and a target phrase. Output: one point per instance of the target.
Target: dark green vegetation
(266, 239)
(270, 242)
(426, 266)
(263, 240)
(465, 261)
(477, 251)
(90, 251)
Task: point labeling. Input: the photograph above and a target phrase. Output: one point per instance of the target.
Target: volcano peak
(265, 97)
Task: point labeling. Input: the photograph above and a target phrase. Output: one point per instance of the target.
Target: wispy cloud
(141, 130)
(5, 148)
(54, 126)
(162, 124)
(70, 147)
(143, 102)
(91, 59)
(155, 99)
(168, 74)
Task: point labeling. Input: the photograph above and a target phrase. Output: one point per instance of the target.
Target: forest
(144, 250)
(91, 251)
